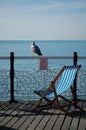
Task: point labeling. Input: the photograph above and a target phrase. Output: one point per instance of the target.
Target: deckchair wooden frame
(55, 102)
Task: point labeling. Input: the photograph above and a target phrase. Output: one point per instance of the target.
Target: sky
(42, 19)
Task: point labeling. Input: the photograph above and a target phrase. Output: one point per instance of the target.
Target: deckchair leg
(39, 102)
(61, 108)
(71, 103)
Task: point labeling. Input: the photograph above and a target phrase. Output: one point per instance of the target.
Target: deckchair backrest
(67, 79)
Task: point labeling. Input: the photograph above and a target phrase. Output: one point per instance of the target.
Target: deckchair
(53, 94)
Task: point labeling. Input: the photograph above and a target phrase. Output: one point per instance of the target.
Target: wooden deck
(20, 116)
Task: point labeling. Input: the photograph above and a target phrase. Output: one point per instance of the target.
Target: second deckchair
(53, 94)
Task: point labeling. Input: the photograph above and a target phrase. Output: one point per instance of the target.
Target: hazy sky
(43, 19)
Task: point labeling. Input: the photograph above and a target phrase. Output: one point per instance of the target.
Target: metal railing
(22, 83)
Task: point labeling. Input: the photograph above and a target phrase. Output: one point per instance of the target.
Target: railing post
(75, 59)
(12, 77)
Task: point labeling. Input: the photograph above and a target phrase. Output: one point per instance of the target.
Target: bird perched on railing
(35, 49)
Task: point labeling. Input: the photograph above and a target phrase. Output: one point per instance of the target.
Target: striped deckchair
(53, 95)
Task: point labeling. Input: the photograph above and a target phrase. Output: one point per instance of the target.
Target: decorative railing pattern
(4, 85)
(81, 84)
(25, 82)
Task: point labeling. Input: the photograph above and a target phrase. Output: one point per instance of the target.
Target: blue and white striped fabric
(66, 82)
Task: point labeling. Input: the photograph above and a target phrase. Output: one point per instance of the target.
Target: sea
(51, 48)
(48, 48)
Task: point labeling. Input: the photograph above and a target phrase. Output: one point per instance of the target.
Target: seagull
(35, 48)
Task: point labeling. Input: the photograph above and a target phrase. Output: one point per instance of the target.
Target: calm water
(48, 48)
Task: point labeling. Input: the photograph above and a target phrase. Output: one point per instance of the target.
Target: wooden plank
(67, 122)
(76, 118)
(38, 118)
(16, 116)
(7, 111)
(7, 119)
(59, 121)
(4, 109)
(52, 120)
(8, 115)
(19, 121)
(74, 124)
(25, 124)
(82, 123)
(30, 117)
(11, 122)
(42, 118)
(28, 121)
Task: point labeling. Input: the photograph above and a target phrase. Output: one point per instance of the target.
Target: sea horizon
(41, 40)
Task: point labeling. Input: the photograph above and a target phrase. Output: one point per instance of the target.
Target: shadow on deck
(20, 116)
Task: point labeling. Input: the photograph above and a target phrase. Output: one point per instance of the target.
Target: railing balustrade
(19, 85)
